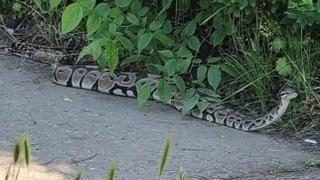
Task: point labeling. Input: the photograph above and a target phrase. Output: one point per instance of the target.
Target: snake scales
(124, 84)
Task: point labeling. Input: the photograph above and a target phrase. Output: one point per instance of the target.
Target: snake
(125, 84)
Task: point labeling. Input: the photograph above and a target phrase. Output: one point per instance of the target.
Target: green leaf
(112, 28)
(202, 105)
(214, 77)
(132, 19)
(184, 53)
(184, 65)
(118, 20)
(180, 83)
(135, 6)
(53, 4)
(217, 37)
(243, 4)
(87, 6)
(90, 49)
(191, 27)
(194, 43)
(166, 53)
(126, 43)
(144, 40)
(282, 67)
(71, 17)
(112, 55)
(102, 9)
(189, 102)
(123, 3)
(171, 66)
(201, 73)
(167, 27)
(93, 23)
(144, 92)
(155, 25)
(164, 91)
(163, 38)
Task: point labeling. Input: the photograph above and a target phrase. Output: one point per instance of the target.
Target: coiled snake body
(125, 84)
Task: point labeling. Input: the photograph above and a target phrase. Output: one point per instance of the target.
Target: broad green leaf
(213, 59)
(126, 43)
(180, 83)
(135, 6)
(194, 43)
(112, 55)
(132, 19)
(102, 9)
(217, 37)
(114, 12)
(144, 40)
(167, 27)
(53, 4)
(90, 49)
(87, 6)
(93, 23)
(164, 91)
(202, 105)
(118, 20)
(201, 73)
(123, 3)
(282, 67)
(71, 17)
(144, 92)
(155, 25)
(189, 103)
(214, 77)
(191, 27)
(143, 11)
(171, 66)
(184, 65)
(112, 28)
(166, 53)
(184, 53)
(163, 38)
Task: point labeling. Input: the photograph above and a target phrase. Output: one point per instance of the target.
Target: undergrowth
(238, 52)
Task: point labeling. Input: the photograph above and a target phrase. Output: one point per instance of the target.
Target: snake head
(288, 94)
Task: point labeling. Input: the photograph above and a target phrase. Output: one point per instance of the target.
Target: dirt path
(75, 129)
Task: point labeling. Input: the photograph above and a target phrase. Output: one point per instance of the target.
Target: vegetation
(23, 148)
(214, 51)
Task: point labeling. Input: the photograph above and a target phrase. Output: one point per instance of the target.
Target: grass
(21, 149)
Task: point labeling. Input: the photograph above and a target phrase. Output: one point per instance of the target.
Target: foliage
(210, 51)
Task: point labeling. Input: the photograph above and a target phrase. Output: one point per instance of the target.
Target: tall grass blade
(78, 176)
(164, 157)
(112, 171)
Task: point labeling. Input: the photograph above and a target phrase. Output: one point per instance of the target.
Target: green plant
(22, 147)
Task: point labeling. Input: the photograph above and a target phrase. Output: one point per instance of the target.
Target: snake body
(125, 84)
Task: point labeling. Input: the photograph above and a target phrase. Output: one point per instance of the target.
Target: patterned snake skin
(124, 84)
